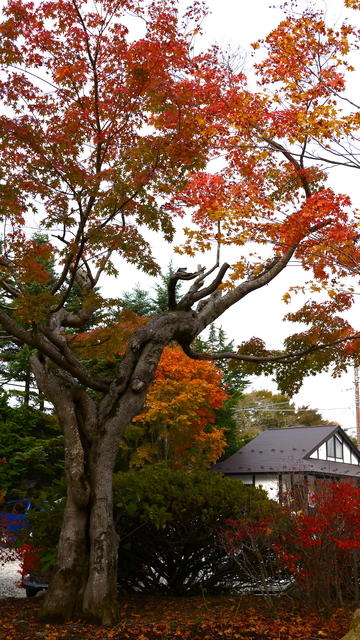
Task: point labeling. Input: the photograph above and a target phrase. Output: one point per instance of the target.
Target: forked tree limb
(180, 274)
(194, 296)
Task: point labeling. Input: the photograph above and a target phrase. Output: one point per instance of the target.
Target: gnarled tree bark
(84, 580)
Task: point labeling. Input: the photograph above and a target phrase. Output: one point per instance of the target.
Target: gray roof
(284, 450)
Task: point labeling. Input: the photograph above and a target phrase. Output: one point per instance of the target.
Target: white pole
(357, 405)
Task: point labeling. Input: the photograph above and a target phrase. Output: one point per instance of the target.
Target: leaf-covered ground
(210, 618)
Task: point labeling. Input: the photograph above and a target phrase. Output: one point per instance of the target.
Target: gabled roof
(284, 450)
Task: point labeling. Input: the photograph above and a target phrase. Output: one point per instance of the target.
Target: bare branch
(194, 295)
(283, 358)
(180, 274)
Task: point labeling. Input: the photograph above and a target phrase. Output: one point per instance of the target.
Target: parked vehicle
(34, 582)
(13, 517)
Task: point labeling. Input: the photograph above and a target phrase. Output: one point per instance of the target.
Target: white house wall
(269, 482)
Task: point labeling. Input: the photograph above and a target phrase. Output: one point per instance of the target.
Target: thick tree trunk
(101, 591)
(85, 576)
(64, 598)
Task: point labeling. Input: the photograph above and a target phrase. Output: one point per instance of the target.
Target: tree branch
(194, 295)
(180, 274)
(5, 262)
(59, 353)
(279, 147)
(284, 358)
(9, 288)
(216, 307)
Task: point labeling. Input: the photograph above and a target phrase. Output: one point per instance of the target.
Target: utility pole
(357, 405)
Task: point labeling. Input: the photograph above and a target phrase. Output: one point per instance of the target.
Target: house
(280, 459)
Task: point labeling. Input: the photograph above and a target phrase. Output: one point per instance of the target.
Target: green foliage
(133, 499)
(32, 449)
(140, 301)
(48, 265)
(44, 525)
(233, 380)
(161, 298)
(225, 418)
(177, 551)
(218, 342)
(14, 356)
(16, 371)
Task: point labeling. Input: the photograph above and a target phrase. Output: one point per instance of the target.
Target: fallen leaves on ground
(196, 618)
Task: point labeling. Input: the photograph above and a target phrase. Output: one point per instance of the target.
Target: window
(338, 447)
(334, 448)
(330, 448)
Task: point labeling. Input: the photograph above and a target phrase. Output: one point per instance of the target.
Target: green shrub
(44, 524)
(168, 522)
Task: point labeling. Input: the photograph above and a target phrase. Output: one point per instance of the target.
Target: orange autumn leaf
(180, 408)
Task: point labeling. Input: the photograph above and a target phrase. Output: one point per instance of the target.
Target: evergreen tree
(218, 342)
(234, 382)
(15, 368)
(32, 450)
(138, 300)
(142, 303)
(160, 300)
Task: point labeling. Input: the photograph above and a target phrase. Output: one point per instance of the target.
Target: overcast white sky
(241, 23)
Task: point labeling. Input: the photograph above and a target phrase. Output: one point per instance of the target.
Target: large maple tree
(106, 134)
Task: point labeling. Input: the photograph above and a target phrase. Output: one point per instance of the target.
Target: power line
(261, 408)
